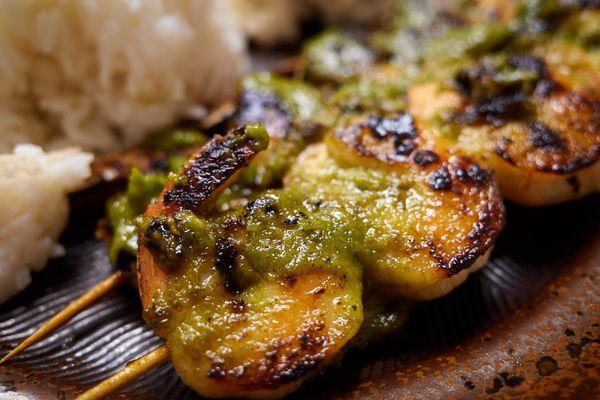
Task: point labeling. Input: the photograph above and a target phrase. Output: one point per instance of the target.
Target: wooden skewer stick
(130, 373)
(112, 282)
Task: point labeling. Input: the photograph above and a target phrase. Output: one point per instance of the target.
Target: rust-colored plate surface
(525, 327)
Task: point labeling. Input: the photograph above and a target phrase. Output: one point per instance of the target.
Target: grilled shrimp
(533, 118)
(426, 219)
(250, 302)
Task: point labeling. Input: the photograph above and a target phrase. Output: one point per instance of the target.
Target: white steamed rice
(100, 74)
(34, 209)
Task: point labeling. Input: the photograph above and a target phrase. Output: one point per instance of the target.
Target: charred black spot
(479, 229)
(267, 205)
(462, 261)
(271, 209)
(495, 111)
(487, 226)
(495, 99)
(425, 157)
(501, 108)
(157, 226)
(463, 82)
(237, 305)
(165, 243)
(574, 183)
(304, 341)
(504, 154)
(384, 127)
(389, 139)
(182, 197)
(225, 262)
(271, 355)
(545, 139)
(436, 255)
(574, 163)
(473, 174)
(254, 205)
(309, 341)
(291, 220)
(404, 146)
(265, 107)
(216, 372)
(401, 129)
(290, 280)
(299, 368)
(502, 150)
(440, 179)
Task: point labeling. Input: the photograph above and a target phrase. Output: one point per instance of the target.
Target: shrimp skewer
(417, 210)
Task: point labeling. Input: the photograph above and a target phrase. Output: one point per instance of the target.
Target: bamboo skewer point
(130, 373)
(75, 307)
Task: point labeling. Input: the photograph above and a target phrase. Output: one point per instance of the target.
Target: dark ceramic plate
(524, 327)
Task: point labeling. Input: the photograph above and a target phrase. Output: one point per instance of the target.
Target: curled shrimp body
(427, 218)
(220, 288)
(540, 133)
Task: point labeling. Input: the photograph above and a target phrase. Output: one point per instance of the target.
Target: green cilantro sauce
(122, 210)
